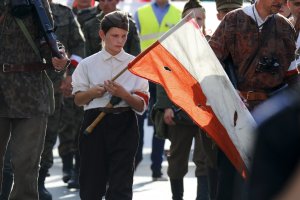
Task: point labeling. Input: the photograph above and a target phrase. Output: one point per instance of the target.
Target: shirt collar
(120, 56)
(252, 12)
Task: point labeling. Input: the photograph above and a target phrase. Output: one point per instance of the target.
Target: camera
(269, 65)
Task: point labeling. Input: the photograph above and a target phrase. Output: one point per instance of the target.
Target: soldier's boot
(177, 189)
(44, 194)
(74, 181)
(7, 181)
(67, 161)
(202, 188)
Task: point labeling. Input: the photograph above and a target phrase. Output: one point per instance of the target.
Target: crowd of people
(75, 87)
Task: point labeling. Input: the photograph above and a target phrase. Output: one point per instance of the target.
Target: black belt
(113, 110)
(26, 67)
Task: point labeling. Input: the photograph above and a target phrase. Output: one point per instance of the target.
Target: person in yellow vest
(152, 21)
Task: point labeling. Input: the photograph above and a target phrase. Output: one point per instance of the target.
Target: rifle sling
(28, 36)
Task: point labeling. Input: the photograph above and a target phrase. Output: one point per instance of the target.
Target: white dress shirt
(102, 66)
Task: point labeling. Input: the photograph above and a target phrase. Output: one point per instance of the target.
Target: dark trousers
(107, 156)
(229, 180)
(157, 155)
(139, 153)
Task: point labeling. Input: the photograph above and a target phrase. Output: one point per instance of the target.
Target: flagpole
(110, 104)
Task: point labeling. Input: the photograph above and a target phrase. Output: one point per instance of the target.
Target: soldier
(91, 28)
(24, 94)
(267, 40)
(69, 33)
(181, 131)
(85, 10)
(162, 16)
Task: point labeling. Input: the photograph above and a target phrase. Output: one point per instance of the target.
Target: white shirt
(102, 66)
(252, 12)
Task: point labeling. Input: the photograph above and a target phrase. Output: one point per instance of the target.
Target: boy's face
(114, 39)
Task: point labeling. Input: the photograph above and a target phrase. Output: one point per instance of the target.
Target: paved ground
(143, 188)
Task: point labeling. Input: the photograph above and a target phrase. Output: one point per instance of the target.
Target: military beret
(191, 4)
(116, 19)
(228, 4)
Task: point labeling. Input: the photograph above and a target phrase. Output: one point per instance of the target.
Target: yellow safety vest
(150, 30)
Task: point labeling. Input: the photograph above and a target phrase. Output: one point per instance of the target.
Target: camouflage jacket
(93, 42)
(239, 37)
(22, 94)
(68, 32)
(86, 14)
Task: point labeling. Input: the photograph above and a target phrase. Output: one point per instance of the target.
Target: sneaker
(160, 178)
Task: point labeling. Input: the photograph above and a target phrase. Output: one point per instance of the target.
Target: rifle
(47, 28)
(21, 8)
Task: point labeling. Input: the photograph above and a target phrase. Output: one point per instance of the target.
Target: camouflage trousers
(64, 123)
(26, 139)
(71, 121)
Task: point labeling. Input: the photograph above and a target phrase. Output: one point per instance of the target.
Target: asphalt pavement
(143, 187)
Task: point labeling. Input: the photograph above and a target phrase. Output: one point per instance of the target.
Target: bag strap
(28, 36)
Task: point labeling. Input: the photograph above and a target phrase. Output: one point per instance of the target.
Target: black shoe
(44, 194)
(74, 181)
(158, 176)
(67, 161)
(66, 176)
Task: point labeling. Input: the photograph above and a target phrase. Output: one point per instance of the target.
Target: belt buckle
(248, 94)
(5, 67)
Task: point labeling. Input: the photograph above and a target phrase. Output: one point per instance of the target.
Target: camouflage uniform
(86, 14)
(238, 35)
(69, 33)
(24, 98)
(93, 42)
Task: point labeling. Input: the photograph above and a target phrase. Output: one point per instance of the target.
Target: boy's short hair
(116, 19)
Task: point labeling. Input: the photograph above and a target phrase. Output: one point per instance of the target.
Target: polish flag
(185, 65)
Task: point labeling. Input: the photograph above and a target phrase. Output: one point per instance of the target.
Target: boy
(107, 154)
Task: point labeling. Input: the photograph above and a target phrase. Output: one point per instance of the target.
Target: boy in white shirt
(107, 154)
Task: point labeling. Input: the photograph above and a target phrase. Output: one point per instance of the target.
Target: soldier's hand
(168, 117)
(60, 63)
(66, 86)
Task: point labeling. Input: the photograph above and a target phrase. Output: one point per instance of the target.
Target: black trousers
(107, 156)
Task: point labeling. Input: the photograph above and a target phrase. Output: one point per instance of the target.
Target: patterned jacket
(239, 37)
(93, 42)
(22, 94)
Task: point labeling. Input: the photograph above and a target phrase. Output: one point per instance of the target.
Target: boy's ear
(101, 34)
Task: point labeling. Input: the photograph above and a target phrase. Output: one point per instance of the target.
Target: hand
(60, 63)
(97, 91)
(66, 86)
(115, 89)
(243, 98)
(168, 117)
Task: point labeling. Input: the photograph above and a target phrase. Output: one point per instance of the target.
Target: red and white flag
(185, 65)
